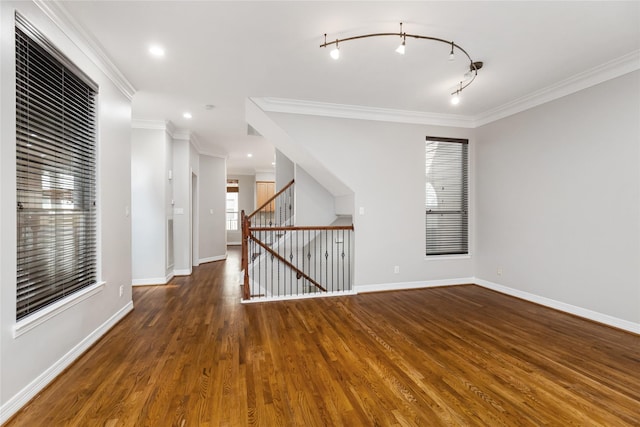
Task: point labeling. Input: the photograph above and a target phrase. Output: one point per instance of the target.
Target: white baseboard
(381, 287)
(547, 302)
(561, 306)
(153, 280)
(301, 296)
(182, 272)
(32, 389)
(213, 258)
(234, 243)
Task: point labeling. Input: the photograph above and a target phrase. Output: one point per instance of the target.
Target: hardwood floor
(191, 355)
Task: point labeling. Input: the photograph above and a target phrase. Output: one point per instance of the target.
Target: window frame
(233, 187)
(61, 298)
(465, 208)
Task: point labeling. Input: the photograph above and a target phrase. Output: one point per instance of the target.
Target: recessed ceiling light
(187, 115)
(156, 51)
(249, 155)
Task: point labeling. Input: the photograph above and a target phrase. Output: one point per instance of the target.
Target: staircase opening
(281, 260)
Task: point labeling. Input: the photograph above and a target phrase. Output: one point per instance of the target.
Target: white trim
(39, 317)
(185, 135)
(312, 108)
(300, 296)
(153, 280)
(382, 287)
(607, 71)
(16, 402)
(447, 257)
(234, 243)
(86, 43)
(561, 306)
(186, 272)
(164, 125)
(213, 258)
(547, 302)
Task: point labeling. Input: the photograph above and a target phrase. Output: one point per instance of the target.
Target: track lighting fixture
(335, 53)
(402, 46)
(455, 97)
(466, 80)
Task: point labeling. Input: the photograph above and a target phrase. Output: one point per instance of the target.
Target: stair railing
(304, 261)
(277, 211)
(281, 260)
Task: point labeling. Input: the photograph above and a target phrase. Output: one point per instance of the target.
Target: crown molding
(607, 71)
(86, 43)
(312, 108)
(176, 134)
(164, 125)
(186, 135)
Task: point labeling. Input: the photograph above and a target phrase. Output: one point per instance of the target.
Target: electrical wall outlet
(121, 290)
(499, 271)
(396, 269)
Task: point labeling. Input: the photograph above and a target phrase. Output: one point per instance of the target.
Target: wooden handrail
(248, 255)
(304, 228)
(287, 263)
(271, 199)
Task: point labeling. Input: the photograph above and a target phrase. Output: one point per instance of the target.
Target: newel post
(246, 223)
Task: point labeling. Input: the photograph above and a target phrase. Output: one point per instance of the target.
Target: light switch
(361, 210)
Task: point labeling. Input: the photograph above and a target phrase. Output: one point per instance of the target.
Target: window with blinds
(56, 174)
(446, 198)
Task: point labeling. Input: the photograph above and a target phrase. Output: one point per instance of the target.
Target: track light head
(335, 53)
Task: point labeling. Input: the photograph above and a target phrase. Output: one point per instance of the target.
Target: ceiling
(221, 53)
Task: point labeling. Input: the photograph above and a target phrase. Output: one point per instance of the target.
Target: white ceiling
(220, 53)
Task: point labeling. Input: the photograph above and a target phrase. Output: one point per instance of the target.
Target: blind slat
(55, 171)
(446, 199)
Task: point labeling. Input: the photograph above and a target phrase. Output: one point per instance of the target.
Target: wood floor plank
(191, 354)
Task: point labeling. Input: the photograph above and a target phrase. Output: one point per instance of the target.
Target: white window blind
(446, 196)
(55, 164)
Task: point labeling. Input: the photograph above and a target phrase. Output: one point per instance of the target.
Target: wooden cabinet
(264, 191)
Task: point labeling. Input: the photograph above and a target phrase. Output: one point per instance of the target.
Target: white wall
(384, 164)
(314, 205)
(182, 207)
(29, 361)
(151, 194)
(558, 200)
(285, 170)
(212, 195)
(266, 176)
(194, 190)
